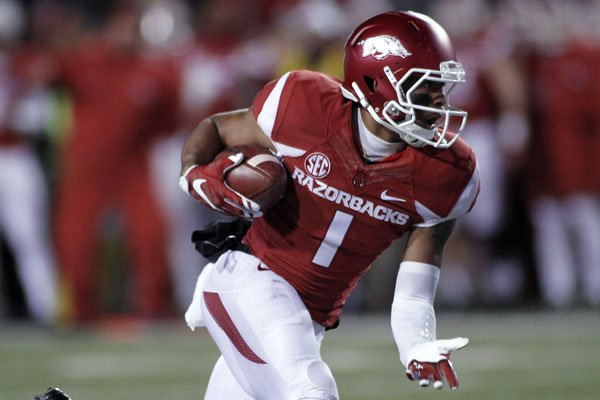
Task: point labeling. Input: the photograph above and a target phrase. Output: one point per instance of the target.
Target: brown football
(261, 176)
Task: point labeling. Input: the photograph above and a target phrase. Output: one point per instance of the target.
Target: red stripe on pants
(221, 316)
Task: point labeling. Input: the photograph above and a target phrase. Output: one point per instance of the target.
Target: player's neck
(375, 141)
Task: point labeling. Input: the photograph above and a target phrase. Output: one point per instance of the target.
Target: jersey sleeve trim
(463, 205)
(468, 196)
(267, 115)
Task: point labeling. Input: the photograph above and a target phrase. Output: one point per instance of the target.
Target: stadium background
(526, 343)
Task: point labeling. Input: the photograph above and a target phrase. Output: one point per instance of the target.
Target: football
(261, 176)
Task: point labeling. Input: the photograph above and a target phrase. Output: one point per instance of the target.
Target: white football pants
(567, 250)
(24, 223)
(269, 344)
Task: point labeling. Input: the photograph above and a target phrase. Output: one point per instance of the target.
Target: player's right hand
(206, 184)
(429, 362)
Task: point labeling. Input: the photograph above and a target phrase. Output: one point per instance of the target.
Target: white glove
(428, 362)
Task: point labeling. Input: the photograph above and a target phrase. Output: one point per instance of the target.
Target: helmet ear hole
(371, 83)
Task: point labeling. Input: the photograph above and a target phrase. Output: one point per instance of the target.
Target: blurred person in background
(213, 75)
(24, 195)
(123, 99)
(311, 35)
(495, 97)
(563, 44)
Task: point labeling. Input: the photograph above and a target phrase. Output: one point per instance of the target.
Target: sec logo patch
(317, 165)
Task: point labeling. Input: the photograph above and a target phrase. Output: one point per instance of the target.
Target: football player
(370, 159)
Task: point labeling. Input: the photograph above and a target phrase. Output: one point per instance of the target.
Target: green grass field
(530, 355)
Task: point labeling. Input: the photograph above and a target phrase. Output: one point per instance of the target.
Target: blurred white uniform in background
(24, 197)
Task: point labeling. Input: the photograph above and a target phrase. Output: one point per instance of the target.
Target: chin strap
(411, 133)
(361, 96)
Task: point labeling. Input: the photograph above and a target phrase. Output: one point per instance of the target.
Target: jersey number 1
(333, 239)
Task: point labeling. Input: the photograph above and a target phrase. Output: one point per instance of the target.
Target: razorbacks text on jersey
(339, 212)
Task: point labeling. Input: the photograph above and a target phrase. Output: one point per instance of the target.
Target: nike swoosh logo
(197, 185)
(386, 197)
(261, 268)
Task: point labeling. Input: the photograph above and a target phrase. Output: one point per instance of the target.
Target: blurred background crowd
(97, 97)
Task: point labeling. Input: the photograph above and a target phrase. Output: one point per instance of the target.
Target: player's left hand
(429, 362)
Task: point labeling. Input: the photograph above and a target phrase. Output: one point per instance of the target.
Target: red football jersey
(339, 212)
